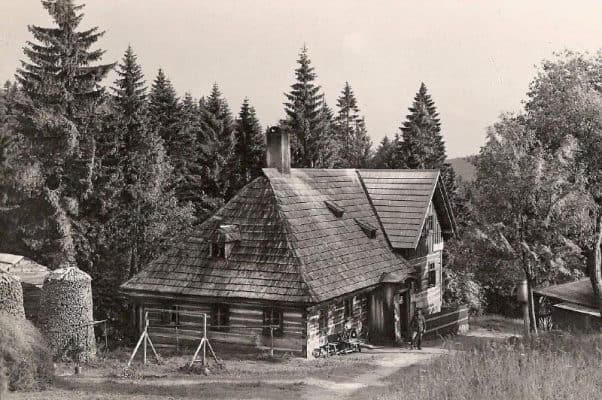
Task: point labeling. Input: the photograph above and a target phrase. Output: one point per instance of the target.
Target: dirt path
(387, 361)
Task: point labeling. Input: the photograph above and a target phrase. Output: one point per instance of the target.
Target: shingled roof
(578, 292)
(292, 247)
(401, 200)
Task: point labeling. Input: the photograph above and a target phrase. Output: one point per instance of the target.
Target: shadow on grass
(238, 390)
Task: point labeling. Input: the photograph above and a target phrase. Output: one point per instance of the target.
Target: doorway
(406, 311)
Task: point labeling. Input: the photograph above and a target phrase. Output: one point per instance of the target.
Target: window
(218, 250)
(432, 274)
(323, 321)
(348, 308)
(220, 317)
(272, 317)
(171, 316)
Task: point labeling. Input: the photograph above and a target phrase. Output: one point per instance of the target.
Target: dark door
(406, 310)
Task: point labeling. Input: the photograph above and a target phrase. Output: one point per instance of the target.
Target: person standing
(418, 326)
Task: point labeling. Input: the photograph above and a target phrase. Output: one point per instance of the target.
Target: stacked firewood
(66, 314)
(11, 295)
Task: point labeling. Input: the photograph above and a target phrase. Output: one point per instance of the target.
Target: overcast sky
(476, 57)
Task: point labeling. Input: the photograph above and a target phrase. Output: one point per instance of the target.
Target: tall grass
(552, 366)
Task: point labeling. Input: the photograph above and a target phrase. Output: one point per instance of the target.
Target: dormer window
(218, 250)
(223, 241)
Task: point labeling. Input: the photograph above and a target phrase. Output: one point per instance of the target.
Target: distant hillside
(463, 168)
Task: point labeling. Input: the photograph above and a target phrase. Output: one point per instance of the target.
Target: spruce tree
(307, 120)
(351, 131)
(148, 197)
(217, 147)
(61, 81)
(382, 156)
(422, 145)
(186, 158)
(250, 143)
(164, 111)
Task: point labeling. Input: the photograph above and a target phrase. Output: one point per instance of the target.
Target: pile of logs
(11, 295)
(66, 314)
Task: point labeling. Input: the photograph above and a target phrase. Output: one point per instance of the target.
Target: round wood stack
(66, 314)
(11, 295)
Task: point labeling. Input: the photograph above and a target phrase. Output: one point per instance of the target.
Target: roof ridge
(288, 233)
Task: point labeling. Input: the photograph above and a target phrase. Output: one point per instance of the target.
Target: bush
(24, 353)
(462, 289)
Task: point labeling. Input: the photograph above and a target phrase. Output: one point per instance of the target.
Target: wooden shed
(32, 277)
(308, 250)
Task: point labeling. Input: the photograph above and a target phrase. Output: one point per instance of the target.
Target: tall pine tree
(164, 111)
(61, 81)
(250, 144)
(149, 206)
(351, 131)
(186, 158)
(312, 143)
(422, 145)
(217, 143)
(382, 155)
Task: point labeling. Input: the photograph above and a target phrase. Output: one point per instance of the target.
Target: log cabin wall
(330, 319)
(427, 261)
(245, 325)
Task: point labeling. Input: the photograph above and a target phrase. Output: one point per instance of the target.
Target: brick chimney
(278, 150)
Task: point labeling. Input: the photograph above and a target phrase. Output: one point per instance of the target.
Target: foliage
(57, 119)
(461, 288)
(24, 353)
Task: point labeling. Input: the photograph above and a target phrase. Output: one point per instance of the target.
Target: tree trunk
(595, 264)
(532, 316)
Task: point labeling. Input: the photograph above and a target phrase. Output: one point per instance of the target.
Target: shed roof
(578, 292)
(292, 247)
(401, 199)
(25, 269)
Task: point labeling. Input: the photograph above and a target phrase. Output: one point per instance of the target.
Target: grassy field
(490, 362)
(552, 366)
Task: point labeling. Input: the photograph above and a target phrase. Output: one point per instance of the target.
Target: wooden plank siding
(452, 320)
(317, 332)
(245, 326)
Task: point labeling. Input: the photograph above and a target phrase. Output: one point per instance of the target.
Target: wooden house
(308, 251)
(32, 277)
(572, 306)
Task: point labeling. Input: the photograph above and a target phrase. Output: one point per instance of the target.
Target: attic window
(368, 228)
(334, 208)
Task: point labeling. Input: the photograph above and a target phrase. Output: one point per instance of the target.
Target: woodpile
(66, 314)
(11, 295)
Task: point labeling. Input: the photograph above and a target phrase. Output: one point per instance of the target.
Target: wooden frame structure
(203, 345)
(144, 339)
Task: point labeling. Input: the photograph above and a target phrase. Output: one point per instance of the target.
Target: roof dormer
(223, 240)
